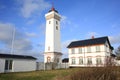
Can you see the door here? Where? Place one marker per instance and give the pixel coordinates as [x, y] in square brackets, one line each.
[8, 65]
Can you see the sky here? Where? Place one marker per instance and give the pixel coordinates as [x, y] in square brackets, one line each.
[80, 20]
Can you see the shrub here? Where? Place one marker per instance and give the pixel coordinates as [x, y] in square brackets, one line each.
[104, 73]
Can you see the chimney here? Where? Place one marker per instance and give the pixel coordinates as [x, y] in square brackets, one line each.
[92, 37]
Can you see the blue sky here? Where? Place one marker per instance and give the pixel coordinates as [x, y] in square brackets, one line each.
[80, 20]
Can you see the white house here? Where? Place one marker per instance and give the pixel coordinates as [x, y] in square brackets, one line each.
[52, 37]
[16, 63]
[90, 52]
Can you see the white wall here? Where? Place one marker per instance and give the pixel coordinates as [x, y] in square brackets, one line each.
[24, 65]
[102, 53]
[19, 65]
[2, 65]
[52, 38]
[53, 56]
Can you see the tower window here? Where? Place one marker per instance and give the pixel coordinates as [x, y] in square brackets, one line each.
[56, 27]
[56, 22]
[49, 22]
[49, 48]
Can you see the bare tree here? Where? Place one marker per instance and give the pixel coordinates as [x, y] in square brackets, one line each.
[117, 51]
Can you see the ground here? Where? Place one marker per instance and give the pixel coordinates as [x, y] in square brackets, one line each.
[47, 75]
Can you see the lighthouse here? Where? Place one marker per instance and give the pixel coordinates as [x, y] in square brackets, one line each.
[52, 37]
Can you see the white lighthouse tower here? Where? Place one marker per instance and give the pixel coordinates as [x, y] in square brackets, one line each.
[52, 38]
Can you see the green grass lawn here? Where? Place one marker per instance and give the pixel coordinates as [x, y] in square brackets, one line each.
[42, 75]
[37, 75]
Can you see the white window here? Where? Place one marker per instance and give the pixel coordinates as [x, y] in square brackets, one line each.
[88, 49]
[8, 64]
[73, 61]
[97, 48]
[80, 60]
[79, 50]
[89, 60]
[72, 50]
[98, 61]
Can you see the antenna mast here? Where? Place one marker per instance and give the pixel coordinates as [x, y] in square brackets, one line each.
[13, 38]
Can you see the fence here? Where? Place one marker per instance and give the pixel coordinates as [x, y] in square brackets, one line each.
[50, 66]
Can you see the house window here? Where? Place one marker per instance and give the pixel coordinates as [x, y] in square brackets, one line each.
[56, 27]
[49, 22]
[73, 61]
[80, 50]
[89, 60]
[72, 51]
[97, 48]
[81, 60]
[98, 61]
[8, 64]
[88, 49]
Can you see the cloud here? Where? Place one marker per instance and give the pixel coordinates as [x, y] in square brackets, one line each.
[115, 39]
[65, 44]
[30, 7]
[28, 34]
[114, 26]
[6, 31]
[30, 22]
[42, 28]
[65, 20]
[21, 41]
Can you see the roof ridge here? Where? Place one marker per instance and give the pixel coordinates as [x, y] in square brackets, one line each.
[87, 42]
[91, 39]
[17, 56]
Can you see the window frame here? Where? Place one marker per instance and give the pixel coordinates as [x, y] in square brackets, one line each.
[80, 50]
[98, 61]
[97, 48]
[89, 60]
[8, 64]
[73, 61]
[72, 51]
[80, 60]
[89, 49]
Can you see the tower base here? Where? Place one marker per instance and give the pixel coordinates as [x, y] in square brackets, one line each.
[55, 57]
